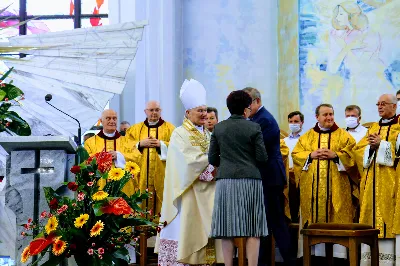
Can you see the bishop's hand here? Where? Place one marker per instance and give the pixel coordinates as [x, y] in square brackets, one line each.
[374, 141]
[113, 154]
[147, 142]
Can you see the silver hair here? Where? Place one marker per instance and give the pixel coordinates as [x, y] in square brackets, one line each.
[254, 93]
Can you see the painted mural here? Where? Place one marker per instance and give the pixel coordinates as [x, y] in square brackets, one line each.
[348, 54]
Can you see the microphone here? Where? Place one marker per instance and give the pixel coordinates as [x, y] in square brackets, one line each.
[48, 98]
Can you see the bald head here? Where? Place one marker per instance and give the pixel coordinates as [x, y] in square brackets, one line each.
[387, 105]
[109, 120]
[153, 111]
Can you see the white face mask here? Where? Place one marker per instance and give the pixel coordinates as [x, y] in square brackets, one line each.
[351, 122]
[294, 128]
[398, 108]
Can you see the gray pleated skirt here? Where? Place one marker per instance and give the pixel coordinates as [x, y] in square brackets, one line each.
[239, 209]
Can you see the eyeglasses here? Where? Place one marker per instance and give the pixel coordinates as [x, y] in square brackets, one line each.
[383, 104]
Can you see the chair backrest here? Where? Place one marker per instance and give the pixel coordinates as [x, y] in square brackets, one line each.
[284, 134]
[368, 124]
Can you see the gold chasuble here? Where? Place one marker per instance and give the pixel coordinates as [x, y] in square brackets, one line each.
[188, 202]
[101, 142]
[285, 157]
[325, 186]
[379, 181]
[152, 164]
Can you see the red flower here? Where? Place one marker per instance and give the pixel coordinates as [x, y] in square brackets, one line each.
[104, 161]
[89, 184]
[165, 223]
[75, 169]
[39, 244]
[53, 204]
[90, 251]
[80, 196]
[117, 206]
[29, 220]
[43, 214]
[7, 124]
[6, 99]
[23, 234]
[72, 185]
[158, 229]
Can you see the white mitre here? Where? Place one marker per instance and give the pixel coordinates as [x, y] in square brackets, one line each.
[192, 94]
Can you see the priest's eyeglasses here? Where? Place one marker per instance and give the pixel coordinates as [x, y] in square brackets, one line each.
[154, 110]
[383, 104]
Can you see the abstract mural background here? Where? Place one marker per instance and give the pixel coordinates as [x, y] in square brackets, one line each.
[348, 54]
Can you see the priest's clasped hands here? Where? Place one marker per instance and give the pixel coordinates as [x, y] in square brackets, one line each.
[374, 140]
[150, 142]
[323, 154]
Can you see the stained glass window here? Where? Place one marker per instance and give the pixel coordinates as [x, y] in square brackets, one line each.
[50, 15]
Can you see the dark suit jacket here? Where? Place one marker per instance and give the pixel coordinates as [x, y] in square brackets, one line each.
[273, 172]
[236, 147]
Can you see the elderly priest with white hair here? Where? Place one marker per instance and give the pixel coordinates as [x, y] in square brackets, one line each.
[188, 188]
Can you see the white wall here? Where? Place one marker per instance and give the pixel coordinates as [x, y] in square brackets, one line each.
[225, 44]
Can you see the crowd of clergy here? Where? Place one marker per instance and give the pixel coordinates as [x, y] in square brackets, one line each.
[344, 175]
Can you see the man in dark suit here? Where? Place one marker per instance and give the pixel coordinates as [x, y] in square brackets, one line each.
[274, 179]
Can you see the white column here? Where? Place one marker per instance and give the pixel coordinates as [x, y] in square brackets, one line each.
[124, 11]
[159, 58]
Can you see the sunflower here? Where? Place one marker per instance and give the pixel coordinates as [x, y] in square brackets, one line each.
[25, 255]
[96, 229]
[59, 247]
[81, 220]
[116, 174]
[100, 195]
[51, 225]
[132, 168]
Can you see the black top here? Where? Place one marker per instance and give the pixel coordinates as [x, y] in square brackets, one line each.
[237, 148]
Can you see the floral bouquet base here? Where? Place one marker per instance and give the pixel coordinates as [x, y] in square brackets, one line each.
[94, 227]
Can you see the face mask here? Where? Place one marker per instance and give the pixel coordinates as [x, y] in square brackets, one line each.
[294, 128]
[351, 122]
[398, 108]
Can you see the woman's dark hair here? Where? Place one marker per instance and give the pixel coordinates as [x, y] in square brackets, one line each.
[237, 101]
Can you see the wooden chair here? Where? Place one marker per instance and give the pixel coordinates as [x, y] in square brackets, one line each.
[240, 243]
[348, 235]
[144, 232]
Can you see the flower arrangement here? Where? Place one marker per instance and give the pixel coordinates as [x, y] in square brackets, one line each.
[95, 225]
[10, 95]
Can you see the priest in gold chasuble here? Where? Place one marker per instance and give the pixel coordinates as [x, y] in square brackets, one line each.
[189, 189]
[322, 157]
[109, 139]
[376, 154]
[151, 138]
[285, 157]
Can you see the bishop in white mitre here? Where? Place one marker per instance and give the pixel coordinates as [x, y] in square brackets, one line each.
[189, 188]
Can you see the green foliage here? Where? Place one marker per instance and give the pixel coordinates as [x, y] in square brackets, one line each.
[11, 95]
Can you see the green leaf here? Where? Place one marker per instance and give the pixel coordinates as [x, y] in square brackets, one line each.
[2, 94]
[122, 254]
[97, 208]
[82, 153]
[18, 125]
[53, 261]
[11, 69]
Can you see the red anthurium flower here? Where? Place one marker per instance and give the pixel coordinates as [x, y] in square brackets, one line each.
[53, 204]
[75, 169]
[39, 244]
[117, 206]
[72, 186]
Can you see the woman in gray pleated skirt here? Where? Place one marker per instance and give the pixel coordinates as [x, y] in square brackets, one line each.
[236, 148]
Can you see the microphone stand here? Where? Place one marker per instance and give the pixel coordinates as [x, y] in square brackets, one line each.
[79, 130]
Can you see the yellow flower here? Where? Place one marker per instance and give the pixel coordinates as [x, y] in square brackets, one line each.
[96, 229]
[116, 174]
[25, 255]
[132, 168]
[81, 220]
[100, 195]
[51, 225]
[59, 247]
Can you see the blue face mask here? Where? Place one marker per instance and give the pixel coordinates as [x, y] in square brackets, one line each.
[294, 128]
